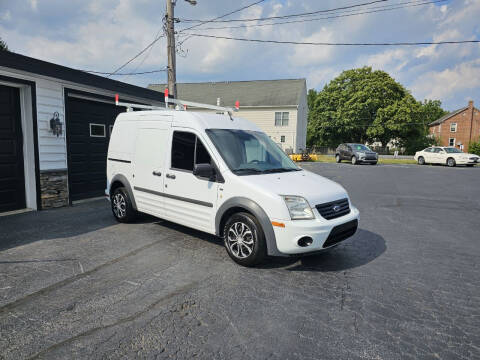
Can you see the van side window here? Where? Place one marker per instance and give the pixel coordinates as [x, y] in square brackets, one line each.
[183, 150]
[201, 154]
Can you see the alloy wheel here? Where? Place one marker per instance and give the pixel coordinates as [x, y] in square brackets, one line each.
[240, 240]
[119, 205]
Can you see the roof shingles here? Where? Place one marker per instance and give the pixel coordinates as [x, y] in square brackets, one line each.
[249, 93]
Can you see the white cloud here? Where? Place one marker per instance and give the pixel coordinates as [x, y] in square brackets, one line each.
[447, 83]
[6, 15]
[34, 4]
[304, 55]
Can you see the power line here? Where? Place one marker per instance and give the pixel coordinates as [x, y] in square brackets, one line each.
[335, 44]
[160, 36]
[119, 74]
[292, 15]
[220, 17]
[136, 56]
[378, 9]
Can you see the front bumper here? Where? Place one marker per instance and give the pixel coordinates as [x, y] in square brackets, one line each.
[317, 229]
[466, 162]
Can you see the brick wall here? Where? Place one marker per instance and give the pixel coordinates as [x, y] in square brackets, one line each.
[466, 128]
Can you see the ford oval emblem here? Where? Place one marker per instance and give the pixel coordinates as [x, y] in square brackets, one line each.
[336, 208]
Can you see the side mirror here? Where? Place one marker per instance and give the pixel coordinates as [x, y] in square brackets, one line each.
[204, 171]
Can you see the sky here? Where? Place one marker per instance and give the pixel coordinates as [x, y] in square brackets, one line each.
[101, 35]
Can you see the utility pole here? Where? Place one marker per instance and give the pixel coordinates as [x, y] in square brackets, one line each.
[171, 50]
[171, 70]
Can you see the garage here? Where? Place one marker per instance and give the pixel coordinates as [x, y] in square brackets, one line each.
[55, 125]
[89, 128]
[12, 179]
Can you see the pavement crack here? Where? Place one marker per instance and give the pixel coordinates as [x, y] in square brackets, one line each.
[10, 306]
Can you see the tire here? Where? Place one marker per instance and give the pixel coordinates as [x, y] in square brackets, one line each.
[122, 207]
[354, 160]
[470, 165]
[421, 160]
[337, 158]
[451, 162]
[244, 227]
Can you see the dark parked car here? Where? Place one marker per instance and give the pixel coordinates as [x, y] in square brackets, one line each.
[356, 153]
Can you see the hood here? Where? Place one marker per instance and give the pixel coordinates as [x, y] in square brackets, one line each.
[314, 188]
[465, 155]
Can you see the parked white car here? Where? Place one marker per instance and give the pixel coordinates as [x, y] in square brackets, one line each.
[223, 176]
[445, 155]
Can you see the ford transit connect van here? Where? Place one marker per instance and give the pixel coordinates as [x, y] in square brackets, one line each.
[224, 176]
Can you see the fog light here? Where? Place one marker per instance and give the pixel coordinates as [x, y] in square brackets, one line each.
[305, 241]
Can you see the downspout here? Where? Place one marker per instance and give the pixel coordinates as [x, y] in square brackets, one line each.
[471, 128]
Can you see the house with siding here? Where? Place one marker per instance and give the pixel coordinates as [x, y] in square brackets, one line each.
[55, 125]
[278, 107]
[458, 128]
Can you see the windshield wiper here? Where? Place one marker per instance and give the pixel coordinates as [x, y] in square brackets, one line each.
[247, 170]
[279, 170]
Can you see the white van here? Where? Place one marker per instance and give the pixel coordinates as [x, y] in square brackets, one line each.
[223, 176]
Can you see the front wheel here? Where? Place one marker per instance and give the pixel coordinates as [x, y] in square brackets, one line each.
[470, 165]
[451, 162]
[122, 207]
[421, 160]
[244, 240]
[354, 160]
[337, 158]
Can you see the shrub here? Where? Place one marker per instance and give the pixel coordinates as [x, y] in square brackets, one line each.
[474, 148]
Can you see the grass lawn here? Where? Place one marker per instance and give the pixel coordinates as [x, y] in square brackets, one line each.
[331, 159]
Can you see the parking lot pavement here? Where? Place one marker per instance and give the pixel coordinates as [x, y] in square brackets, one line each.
[76, 284]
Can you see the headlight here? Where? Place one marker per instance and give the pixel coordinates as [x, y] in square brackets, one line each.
[361, 154]
[298, 207]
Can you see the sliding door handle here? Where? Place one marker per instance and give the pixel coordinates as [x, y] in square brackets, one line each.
[157, 173]
[170, 176]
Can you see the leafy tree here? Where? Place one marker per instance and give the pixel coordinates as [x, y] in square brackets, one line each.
[362, 105]
[3, 45]
[311, 96]
[347, 107]
[474, 148]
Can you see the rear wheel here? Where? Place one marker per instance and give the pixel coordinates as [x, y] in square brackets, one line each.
[122, 207]
[354, 160]
[451, 162]
[421, 160]
[244, 239]
[337, 158]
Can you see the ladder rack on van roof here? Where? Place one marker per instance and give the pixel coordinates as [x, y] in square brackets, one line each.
[181, 105]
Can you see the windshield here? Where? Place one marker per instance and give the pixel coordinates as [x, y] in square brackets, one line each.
[360, 147]
[250, 152]
[452, 150]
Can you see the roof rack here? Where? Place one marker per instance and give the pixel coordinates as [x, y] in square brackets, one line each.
[181, 105]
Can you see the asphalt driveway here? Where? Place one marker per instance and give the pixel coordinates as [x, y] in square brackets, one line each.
[76, 284]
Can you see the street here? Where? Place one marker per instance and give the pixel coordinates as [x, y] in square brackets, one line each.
[74, 283]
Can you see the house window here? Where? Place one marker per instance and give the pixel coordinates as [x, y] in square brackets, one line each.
[453, 127]
[281, 118]
[282, 138]
[97, 130]
[451, 142]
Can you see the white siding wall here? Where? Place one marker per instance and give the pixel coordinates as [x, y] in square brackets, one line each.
[264, 118]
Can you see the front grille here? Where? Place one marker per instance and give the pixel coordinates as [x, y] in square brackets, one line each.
[370, 157]
[328, 212]
[341, 232]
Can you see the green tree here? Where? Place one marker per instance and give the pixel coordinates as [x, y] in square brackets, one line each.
[3, 45]
[311, 96]
[347, 107]
[474, 147]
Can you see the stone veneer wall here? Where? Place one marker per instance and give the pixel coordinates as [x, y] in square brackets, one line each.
[54, 188]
